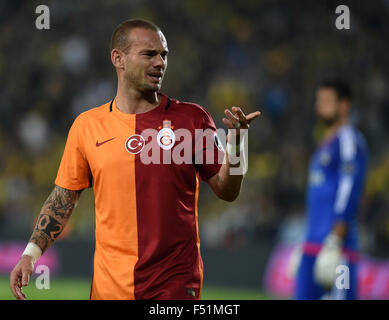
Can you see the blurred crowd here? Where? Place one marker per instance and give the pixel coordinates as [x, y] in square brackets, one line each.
[260, 55]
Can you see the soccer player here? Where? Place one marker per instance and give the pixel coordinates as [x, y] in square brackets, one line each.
[146, 224]
[336, 179]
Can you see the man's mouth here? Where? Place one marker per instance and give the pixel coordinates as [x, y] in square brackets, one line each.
[155, 76]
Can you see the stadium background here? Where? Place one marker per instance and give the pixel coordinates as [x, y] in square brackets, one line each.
[258, 54]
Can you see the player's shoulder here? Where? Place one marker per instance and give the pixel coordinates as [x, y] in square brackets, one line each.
[92, 114]
[351, 134]
[190, 108]
[351, 141]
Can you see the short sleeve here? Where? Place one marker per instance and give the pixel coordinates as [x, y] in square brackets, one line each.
[209, 163]
[74, 172]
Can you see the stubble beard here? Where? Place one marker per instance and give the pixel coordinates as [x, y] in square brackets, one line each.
[329, 121]
[141, 85]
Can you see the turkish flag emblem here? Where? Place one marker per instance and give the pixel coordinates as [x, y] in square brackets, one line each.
[135, 144]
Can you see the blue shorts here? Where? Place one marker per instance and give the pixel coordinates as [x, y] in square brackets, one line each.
[308, 289]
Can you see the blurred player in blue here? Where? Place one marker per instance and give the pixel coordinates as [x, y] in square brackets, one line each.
[327, 261]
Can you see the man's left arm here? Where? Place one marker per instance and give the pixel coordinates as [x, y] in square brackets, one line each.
[227, 182]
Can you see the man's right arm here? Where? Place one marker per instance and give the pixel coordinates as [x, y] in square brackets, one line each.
[52, 219]
[54, 215]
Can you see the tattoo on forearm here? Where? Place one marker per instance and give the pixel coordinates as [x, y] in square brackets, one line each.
[219, 179]
[62, 202]
[41, 239]
[49, 225]
[54, 215]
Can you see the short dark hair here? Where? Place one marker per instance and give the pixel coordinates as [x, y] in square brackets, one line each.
[340, 86]
[120, 36]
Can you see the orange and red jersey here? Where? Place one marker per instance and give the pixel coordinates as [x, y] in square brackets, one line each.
[146, 223]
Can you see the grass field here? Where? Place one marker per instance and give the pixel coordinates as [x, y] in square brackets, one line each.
[78, 289]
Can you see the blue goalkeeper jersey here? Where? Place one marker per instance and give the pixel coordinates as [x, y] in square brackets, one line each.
[336, 179]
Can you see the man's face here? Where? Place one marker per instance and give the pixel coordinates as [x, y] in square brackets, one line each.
[146, 60]
[327, 105]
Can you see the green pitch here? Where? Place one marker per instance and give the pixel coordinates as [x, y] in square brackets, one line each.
[78, 289]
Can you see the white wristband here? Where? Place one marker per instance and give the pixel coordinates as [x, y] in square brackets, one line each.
[33, 251]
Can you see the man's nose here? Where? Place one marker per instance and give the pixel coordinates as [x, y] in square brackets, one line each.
[159, 62]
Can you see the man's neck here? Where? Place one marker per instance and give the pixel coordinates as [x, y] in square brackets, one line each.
[132, 101]
[331, 131]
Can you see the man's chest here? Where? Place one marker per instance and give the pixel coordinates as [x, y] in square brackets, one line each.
[324, 166]
[115, 145]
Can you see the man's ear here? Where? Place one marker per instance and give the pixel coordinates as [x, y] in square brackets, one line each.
[117, 58]
[345, 106]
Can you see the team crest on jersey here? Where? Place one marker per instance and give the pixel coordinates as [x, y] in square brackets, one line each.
[135, 144]
[316, 178]
[324, 158]
[166, 137]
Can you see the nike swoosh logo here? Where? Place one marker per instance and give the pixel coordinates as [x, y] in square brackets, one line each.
[98, 144]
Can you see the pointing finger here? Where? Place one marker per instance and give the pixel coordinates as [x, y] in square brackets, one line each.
[250, 117]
